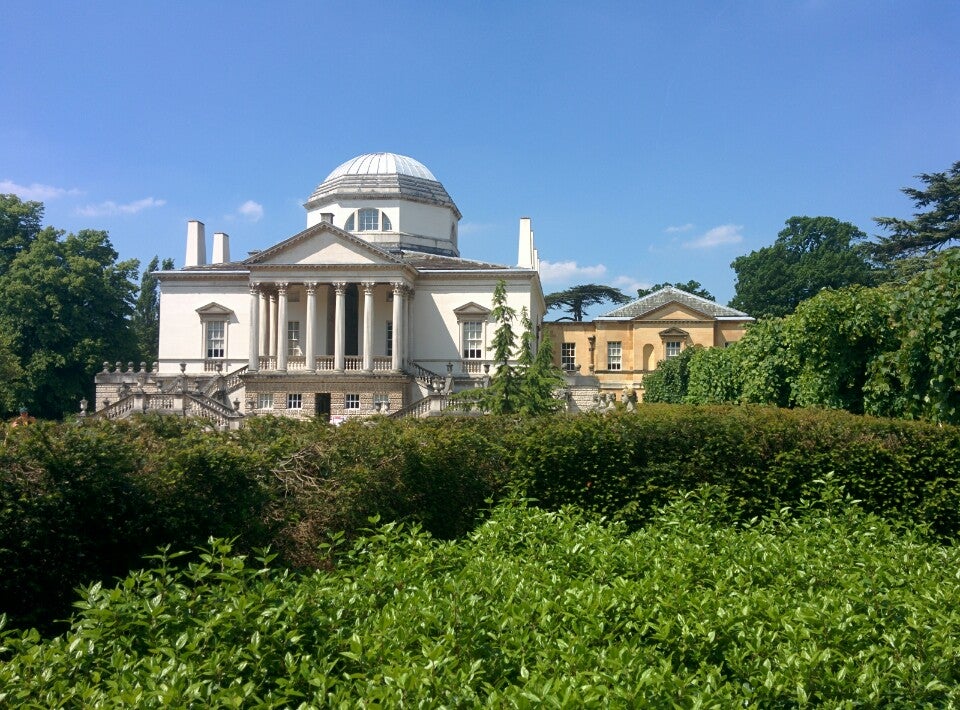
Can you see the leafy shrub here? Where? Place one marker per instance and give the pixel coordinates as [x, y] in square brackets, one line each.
[824, 606]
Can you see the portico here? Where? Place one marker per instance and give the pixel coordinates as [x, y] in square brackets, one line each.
[338, 329]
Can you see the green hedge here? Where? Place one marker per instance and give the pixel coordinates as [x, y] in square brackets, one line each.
[80, 503]
[823, 606]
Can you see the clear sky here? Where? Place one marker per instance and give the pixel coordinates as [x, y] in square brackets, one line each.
[648, 141]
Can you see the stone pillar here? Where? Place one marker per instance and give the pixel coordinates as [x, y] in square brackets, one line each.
[309, 332]
[339, 326]
[368, 326]
[282, 326]
[407, 322]
[398, 327]
[273, 326]
[264, 344]
[254, 362]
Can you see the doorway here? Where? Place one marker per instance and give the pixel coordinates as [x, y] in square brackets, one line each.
[322, 406]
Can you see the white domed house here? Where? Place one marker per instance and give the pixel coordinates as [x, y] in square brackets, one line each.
[370, 309]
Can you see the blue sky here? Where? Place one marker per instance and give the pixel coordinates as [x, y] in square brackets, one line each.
[648, 141]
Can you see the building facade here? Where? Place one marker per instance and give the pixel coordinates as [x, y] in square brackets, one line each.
[369, 309]
[622, 346]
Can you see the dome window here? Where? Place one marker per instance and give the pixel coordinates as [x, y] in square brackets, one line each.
[369, 219]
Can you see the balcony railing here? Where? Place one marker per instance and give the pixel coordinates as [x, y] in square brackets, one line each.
[325, 363]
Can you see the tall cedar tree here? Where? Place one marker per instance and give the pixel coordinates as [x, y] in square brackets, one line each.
[576, 299]
[935, 224]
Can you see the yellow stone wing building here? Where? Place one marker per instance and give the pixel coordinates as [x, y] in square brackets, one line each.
[622, 346]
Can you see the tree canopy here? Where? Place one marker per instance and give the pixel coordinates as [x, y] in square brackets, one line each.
[694, 287]
[576, 299]
[935, 224]
[145, 322]
[65, 304]
[809, 254]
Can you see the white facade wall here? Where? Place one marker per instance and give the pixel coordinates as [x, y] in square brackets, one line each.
[181, 328]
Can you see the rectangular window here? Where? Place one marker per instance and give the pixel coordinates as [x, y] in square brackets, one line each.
[389, 338]
[293, 338]
[381, 402]
[568, 356]
[369, 220]
[265, 400]
[614, 355]
[473, 340]
[216, 338]
[673, 348]
[295, 401]
[351, 401]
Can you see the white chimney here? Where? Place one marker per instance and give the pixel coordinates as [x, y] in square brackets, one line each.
[526, 255]
[196, 244]
[221, 248]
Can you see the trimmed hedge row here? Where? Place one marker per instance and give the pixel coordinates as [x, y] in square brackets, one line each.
[84, 503]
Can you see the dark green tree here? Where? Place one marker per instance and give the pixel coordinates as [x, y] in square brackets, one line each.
[19, 226]
[576, 299]
[65, 304]
[935, 224]
[694, 287]
[540, 379]
[526, 385]
[809, 254]
[145, 322]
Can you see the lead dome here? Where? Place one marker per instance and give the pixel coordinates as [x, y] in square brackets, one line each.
[388, 199]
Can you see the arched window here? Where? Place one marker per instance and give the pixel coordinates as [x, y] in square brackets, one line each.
[368, 219]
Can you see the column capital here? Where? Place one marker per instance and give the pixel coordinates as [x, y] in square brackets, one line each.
[340, 286]
[255, 288]
[282, 287]
[311, 287]
[368, 286]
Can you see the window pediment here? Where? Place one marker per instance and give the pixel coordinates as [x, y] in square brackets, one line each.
[472, 311]
[674, 333]
[214, 310]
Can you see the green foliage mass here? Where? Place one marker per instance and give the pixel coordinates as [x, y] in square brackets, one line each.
[83, 503]
[65, 302]
[809, 254]
[826, 606]
[890, 351]
[669, 382]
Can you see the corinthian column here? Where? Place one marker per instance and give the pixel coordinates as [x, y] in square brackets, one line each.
[368, 326]
[310, 334]
[253, 364]
[398, 328]
[272, 344]
[282, 326]
[339, 326]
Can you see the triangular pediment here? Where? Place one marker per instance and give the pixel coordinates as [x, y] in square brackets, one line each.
[322, 244]
[674, 332]
[214, 309]
[471, 311]
[674, 310]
